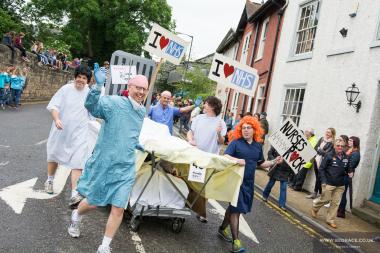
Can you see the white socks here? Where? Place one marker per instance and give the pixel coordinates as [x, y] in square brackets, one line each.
[106, 241]
[74, 193]
[50, 178]
[75, 216]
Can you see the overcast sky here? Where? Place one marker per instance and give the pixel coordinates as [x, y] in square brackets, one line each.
[207, 20]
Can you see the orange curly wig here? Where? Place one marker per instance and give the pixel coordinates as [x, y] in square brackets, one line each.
[258, 132]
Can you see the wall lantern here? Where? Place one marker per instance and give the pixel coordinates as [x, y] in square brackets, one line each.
[352, 94]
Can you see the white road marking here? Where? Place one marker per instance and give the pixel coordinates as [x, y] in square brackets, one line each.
[41, 142]
[4, 163]
[243, 225]
[16, 195]
[137, 242]
[4, 146]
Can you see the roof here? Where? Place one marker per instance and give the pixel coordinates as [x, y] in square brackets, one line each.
[262, 11]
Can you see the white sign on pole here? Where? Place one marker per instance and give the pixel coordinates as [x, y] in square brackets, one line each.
[233, 74]
[120, 74]
[292, 145]
[196, 174]
[166, 44]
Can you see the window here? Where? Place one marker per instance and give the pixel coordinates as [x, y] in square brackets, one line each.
[245, 49]
[293, 104]
[264, 32]
[259, 98]
[307, 27]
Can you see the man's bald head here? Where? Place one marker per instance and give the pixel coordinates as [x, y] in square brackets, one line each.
[165, 98]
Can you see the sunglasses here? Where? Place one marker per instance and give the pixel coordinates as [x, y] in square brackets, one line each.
[340, 146]
[246, 128]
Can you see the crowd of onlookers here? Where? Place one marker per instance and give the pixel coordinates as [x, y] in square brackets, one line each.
[49, 57]
[12, 83]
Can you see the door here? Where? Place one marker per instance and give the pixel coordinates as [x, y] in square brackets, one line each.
[235, 102]
[376, 190]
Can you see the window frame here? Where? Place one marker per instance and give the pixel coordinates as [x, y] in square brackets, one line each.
[245, 49]
[293, 56]
[284, 113]
[263, 38]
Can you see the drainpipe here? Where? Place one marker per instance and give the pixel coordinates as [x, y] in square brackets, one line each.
[280, 15]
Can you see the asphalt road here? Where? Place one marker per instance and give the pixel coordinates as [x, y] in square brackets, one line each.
[42, 225]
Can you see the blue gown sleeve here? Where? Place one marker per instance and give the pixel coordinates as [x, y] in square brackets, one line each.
[231, 149]
[97, 106]
[261, 156]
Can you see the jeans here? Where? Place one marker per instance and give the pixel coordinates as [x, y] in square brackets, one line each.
[343, 201]
[16, 95]
[283, 188]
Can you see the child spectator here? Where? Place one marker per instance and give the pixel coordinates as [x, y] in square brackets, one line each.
[17, 84]
[4, 87]
[18, 44]
[5, 96]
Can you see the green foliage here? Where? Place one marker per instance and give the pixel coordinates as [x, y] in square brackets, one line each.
[96, 28]
[7, 23]
[197, 83]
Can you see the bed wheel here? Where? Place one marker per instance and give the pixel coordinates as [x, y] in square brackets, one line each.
[177, 225]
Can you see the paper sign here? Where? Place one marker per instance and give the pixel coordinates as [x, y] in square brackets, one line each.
[233, 74]
[292, 145]
[120, 74]
[196, 174]
[165, 44]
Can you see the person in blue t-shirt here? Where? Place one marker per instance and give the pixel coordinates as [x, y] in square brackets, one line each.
[164, 113]
[17, 81]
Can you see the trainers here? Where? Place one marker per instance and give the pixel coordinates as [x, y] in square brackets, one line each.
[312, 196]
[104, 249]
[225, 234]
[75, 200]
[237, 247]
[73, 229]
[49, 187]
[202, 219]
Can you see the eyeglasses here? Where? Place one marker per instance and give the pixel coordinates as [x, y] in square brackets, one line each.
[140, 88]
[246, 128]
[340, 146]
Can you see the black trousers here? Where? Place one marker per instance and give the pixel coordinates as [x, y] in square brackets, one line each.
[300, 179]
[318, 184]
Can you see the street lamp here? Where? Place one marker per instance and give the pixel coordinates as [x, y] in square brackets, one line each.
[191, 45]
[352, 94]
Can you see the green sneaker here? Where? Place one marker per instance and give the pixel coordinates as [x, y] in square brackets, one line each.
[237, 247]
[225, 234]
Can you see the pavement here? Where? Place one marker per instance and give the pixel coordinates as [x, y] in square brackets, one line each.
[41, 225]
[349, 227]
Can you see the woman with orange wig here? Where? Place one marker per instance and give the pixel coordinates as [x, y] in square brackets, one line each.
[246, 149]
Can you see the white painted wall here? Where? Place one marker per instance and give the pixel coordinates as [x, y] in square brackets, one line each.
[327, 77]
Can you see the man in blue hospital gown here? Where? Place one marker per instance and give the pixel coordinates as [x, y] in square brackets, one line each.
[109, 173]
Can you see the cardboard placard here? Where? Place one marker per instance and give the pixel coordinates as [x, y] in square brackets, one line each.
[121, 74]
[166, 44]
[196, 174]
[233, 74]
[292, 145]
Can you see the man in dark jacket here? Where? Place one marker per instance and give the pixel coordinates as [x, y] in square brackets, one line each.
[280, 173]
[332, 171]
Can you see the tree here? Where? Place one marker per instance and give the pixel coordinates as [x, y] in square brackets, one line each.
[197, 83]
[99, 27]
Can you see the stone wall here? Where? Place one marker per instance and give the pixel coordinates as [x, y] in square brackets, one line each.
[42, 82]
